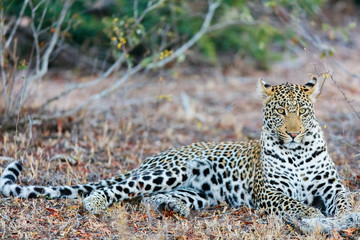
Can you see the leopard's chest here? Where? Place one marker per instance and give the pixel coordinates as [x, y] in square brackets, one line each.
[292, 171]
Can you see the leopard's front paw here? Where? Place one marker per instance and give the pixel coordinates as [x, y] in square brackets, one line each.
[179, 207]
[167, 203]
[314, 213]
[96, 202]
[304, 213]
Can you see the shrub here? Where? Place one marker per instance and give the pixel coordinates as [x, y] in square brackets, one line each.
[256, 32]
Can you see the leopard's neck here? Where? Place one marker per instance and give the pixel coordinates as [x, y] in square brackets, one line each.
[311, 149]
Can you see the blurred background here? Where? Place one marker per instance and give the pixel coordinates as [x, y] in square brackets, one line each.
[83, 41]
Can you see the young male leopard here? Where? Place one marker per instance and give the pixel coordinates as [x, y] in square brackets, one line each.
[287, 172]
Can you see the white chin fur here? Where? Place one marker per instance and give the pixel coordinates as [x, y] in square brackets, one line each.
[291, 145]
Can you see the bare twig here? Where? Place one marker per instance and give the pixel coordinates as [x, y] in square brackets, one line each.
[12, 34]
[9, 25]
[346, 71]
[223, 25]
[344, 95]
[149, 8]
[73, 87]
[136, 12]
[11, 78]
[35, 31]
[53, 41]
[98, 96]
[321, 88]
[349, 145]
[164, 36]
[14, 100]
[45, 58]
[212, 7]
[36, 40]
[42, 61]
[29, 137]
[2, 61]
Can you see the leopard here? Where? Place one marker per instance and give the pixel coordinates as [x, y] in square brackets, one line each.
[287, 172]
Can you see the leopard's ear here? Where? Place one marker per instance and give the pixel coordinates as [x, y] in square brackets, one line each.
[312, 89]
[265, 90]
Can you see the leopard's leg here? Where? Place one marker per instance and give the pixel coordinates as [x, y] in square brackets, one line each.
[274, 201]
[8, 186]
[338, 204]
[180, 201]
[302, 217]
[329, 194]
[338, 201]
[306, 218]
[140, 184]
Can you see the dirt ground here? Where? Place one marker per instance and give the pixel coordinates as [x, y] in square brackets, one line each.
[156, 111]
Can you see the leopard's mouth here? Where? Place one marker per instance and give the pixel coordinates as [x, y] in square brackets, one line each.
[289, 142]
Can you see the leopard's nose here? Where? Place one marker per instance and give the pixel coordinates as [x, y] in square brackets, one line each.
[293, 134]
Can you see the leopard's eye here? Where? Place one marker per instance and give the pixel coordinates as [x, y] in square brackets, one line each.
[302, 110]
[281, 111]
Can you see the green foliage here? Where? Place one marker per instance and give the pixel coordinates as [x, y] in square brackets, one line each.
[170, 25]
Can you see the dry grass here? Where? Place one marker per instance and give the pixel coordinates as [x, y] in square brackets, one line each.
[151, 114]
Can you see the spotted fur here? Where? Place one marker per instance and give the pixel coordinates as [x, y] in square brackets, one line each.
[287, 172]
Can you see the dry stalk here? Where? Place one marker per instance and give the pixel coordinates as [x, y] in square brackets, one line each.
[29, 138]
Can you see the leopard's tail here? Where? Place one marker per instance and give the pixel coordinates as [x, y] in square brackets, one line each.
[8, 186]
[9, 176]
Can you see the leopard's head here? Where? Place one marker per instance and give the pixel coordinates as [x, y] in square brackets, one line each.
[289, 110]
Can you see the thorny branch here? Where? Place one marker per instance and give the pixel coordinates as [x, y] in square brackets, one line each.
[329, 74]
[344, 95]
